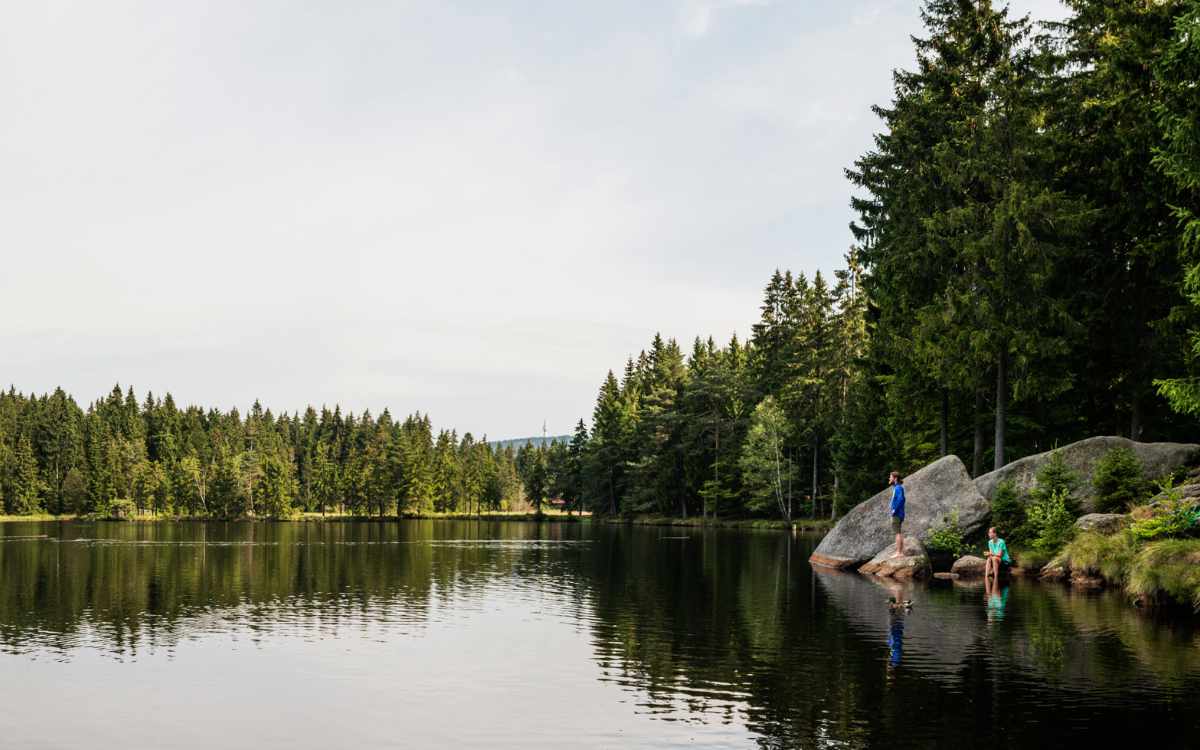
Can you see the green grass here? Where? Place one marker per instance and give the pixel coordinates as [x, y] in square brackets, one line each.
[1029, 558]
[1107, 556]
[1169, 568]
[37, 517]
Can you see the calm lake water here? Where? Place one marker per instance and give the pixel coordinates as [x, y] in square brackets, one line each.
[444, 634]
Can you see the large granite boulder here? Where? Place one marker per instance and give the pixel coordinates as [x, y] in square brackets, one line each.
[968, 566]
[1158, 460]
[933, 493]
[914, 563]
[1102, 523]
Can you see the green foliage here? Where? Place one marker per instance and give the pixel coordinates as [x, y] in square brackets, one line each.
[767, 471]
[1030, 558]
[1008, 513]
[947, 536]
[199, 463]
[118, 509]
[1176, 71]
[1056, 478]
[1106, 555]
[1051, 522]
[1170, 517]
[1171, 568]
[1118, 481]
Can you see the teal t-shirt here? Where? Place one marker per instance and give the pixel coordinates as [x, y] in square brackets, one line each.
[998, 547]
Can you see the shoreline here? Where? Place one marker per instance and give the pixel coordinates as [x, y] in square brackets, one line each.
[768, 524]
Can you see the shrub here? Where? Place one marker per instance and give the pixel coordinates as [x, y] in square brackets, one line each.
[117, 509]
[1051, 522]
[1109, 556]
[1008, 513]
[1028, 557]
[1056, 477]
[947, 536]
[1118, 481]
[1170, 517]
[1169, 567]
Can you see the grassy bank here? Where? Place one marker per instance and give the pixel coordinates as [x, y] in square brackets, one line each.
[1150, 572]
[37, 517]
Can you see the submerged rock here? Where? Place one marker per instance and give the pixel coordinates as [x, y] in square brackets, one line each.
[914, 563]
[1085, 581]
[968, 566]
[1102, 523]
[1054, 572]
[935, 491]
[1158, 460]
[946, 576]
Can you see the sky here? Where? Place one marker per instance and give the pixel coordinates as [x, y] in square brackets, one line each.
[470, 209]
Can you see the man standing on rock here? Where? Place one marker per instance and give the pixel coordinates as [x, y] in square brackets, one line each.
[897, 509]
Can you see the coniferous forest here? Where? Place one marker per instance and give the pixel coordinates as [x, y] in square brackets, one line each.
[1024, 272]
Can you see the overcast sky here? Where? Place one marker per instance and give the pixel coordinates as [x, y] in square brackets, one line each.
[473, 209]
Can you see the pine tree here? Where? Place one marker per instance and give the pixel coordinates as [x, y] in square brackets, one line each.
[25, 486]
[1179, 159]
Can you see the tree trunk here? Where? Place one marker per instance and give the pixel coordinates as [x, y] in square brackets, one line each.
[977, 416]
[1001, 406]
[944, 436]
[833, 500]
[816, 470]
[1135, 419]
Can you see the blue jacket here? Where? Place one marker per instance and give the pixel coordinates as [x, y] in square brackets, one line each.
[898, 501]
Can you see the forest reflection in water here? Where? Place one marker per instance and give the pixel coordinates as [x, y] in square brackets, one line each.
[499, 633]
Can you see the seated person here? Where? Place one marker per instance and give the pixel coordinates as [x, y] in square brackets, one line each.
[997, 555]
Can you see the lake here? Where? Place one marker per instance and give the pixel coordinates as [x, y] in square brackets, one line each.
[505, 634]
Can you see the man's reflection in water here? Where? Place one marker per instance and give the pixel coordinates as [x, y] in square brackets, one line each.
[996, 596]
[895, 639]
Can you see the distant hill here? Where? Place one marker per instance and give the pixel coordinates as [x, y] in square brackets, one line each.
[539, 440]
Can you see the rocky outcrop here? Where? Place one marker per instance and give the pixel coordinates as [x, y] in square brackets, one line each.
[914, 563]
[968, 566]
[1102, 523]
[934, 492]
[1158, 460]
[1189, 492]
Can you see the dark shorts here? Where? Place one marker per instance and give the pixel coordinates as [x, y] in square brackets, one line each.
[896, 523]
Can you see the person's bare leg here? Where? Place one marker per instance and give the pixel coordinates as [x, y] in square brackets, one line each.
[900, 545]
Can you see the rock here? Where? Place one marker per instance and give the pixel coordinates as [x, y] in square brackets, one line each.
[1085, 581]
[968, 566]
[1054, 573]
[1102, 523]
[914, 563]
[1020, 572]
[946, 576]
[1158, 460]
[1189, 492]
[933, 492]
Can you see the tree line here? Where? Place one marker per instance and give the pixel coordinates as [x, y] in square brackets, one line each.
[1025, 272]
[121, 457]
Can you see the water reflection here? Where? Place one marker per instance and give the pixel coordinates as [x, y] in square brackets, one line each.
[586, 635]
[996, 595]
